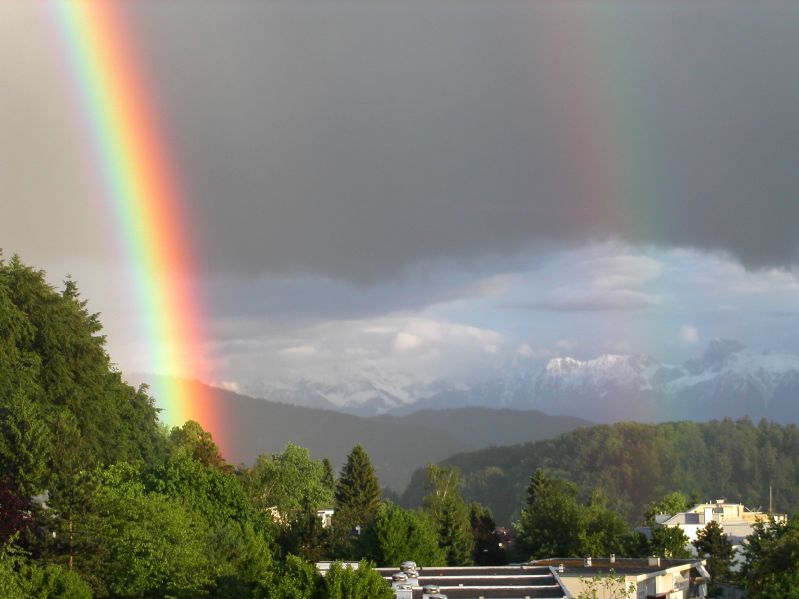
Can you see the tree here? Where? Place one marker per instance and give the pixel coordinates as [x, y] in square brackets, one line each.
[399, 535]
[141, 544]
[450, 513]
[551, 522]
[358, 490]
[217, 495]
[771, 555]
[328, 476]
[293, 579]
[25, 444]
[288, 481]
[671, 504]
[712, 544]
[198, 443]
[604, 530]
[487, 550]
[669, 541]
[363, 582]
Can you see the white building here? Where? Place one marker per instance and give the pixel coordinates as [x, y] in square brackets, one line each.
[651, 578]
[736, 521]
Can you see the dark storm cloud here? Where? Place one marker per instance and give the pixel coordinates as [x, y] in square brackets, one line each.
[357, 139]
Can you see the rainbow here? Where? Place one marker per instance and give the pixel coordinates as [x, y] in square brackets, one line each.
[139, 185]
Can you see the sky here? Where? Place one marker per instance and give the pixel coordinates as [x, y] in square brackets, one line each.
[447, 189]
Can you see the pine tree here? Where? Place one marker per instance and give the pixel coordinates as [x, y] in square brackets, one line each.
[358, 490]
[328, 477]
[712, 544]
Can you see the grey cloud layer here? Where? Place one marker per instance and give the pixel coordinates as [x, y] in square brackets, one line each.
[355, 139]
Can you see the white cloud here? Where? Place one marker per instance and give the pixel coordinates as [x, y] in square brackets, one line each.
[689, 334]
[406, 342]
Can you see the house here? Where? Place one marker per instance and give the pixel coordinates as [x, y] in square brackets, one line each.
[326, 516]
[736, 520]
[475, 582]
[652, 578]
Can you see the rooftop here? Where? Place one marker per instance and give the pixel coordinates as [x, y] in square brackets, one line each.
[490, 582]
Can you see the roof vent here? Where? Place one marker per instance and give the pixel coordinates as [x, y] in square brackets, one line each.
[560, 568]
[587, 562]
[654, 561]
[612, 558]
[406, 566]
[399, 577]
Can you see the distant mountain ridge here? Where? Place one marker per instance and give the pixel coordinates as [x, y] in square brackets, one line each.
[727, 380]
[397, 445]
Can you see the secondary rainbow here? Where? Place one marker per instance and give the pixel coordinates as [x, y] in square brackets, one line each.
[138, 183]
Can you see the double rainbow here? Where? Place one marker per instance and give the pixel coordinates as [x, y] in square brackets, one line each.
[138, 182]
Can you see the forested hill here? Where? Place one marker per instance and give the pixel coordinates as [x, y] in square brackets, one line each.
[398, 445]
[62, 404]
[638, 463]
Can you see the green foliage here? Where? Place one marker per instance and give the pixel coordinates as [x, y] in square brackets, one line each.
[637, 464]
[399, 535]
[216, 494]
[358, 490]
[671, 504]
[133, 543]
[25, 444]
[293, 579]
[53, 361]
[712, 544]
[551, 522]
[771, 560]
[288, 481]
[609, 586]
[343, 582]
[554, 522]
[242, 559]
[487, 551]
[21, 579]
[192, 440]
[604, 532]
[450, 514]
[669, 541]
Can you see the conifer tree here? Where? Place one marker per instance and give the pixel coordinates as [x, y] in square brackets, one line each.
[450, 513]
[712, 544]
[328, 477]
[358, 490]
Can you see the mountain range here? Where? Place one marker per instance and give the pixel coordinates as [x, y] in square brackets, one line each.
[397, 445]
[728, 380]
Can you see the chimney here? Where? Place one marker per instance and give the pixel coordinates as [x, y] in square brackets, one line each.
[560, 568]
[587, 562]
[654, 561]
[403, 591]
[612, 558]
[429, 590]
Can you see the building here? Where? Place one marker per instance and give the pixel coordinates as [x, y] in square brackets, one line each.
[652, 578]
[475, 582]
[735, 519]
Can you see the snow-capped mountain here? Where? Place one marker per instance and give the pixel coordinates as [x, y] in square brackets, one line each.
[727, 380]
[366, 393]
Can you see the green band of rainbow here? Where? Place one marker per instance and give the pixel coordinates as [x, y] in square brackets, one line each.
[139, 184]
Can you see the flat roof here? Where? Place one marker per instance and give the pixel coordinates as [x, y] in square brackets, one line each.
[622, 566]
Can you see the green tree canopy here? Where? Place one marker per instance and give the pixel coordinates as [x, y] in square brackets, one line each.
[399, 535]
[450, 513]
[771, 560]
[358, 490]
[551, 522]
[289, 481]
[713, 545]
